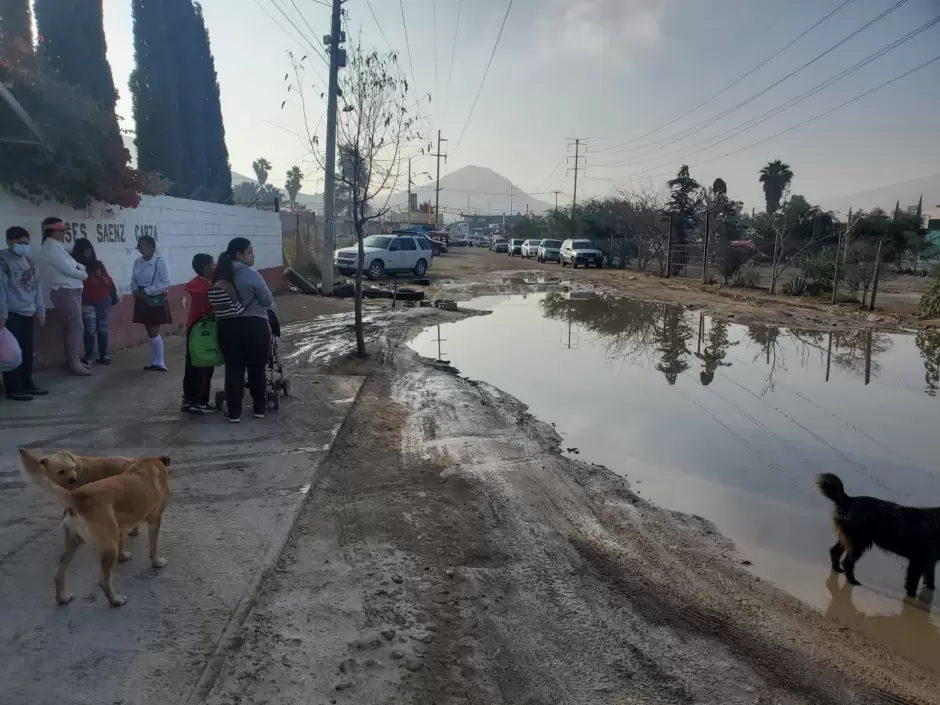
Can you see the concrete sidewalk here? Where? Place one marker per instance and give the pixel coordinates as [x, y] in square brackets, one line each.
[236, 492]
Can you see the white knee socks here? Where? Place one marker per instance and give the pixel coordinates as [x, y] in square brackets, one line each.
[156, 344]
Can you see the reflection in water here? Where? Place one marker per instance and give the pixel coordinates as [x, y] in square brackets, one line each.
[928, 342]
[646, 330]
[911, 633]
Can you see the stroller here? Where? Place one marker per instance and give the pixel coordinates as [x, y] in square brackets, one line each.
[276, 383]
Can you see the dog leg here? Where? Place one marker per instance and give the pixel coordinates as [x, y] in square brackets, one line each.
[72, 544]
[123, 555]
[848, 565]
[835, 555]
[915, 569]
[134, 531]
[108, 560]
[153, 528]
[929, 570]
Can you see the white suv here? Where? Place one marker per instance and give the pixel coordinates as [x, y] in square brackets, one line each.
[530, 248]
[575, 252]
[387, 254]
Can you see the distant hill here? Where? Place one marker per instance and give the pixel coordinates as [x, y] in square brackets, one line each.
[482, 189]
[887, 196]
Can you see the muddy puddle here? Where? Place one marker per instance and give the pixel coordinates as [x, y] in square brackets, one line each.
[732, 423]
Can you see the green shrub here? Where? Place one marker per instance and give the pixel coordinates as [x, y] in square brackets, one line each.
[930, 302]
[794, 286]
[747, 277]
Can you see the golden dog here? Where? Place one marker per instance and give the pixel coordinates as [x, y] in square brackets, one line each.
[98, 513]
[68, 470]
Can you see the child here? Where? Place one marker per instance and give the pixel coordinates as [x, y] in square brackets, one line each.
[20, 302]
[197, 381]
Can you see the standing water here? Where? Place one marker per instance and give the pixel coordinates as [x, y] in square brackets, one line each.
[732, 423]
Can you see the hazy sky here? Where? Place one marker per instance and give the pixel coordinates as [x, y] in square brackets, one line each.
[607, 70]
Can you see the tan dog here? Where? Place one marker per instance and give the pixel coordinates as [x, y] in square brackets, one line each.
[68, 470]
[97, 514]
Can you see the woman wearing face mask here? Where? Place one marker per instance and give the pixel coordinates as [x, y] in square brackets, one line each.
[63, 278]
[150, 283]
[97, 298]
[20, 304]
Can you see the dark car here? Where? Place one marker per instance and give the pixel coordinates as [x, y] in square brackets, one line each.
[515, 247]
[500, 244]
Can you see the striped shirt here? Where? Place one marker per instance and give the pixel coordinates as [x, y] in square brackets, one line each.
[223, 300]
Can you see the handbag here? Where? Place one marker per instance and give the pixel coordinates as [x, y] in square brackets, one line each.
[11, 356]
[155, 300]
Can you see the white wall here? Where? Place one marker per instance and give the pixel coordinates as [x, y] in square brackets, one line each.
[181, 228]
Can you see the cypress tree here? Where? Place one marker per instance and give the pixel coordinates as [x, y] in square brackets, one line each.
[184, 32]
[16, 23]
[153, 87]
[72, 41]
[218, 169]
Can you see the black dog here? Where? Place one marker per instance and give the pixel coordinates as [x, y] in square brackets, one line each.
[861, 522]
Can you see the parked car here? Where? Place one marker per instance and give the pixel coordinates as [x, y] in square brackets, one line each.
[549, 251]
[460, 241]
[530, 248]
[515, 247]
[478, 240]
[387, 254]
[436, 246]
[575, 252]
[500, 244]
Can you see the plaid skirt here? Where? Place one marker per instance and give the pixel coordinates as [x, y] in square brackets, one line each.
[151, 315]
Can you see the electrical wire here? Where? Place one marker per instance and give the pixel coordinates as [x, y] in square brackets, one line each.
[814, 118]
[705, 123]
[732, 84]
[776, 110]
[414, 76]
[485, 73]
[453, 55]
[314, 34]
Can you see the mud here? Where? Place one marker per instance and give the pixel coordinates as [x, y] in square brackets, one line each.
[451, 553]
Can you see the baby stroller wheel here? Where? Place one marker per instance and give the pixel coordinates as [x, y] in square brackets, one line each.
[272, 400]
[285, 387]
[219, 399]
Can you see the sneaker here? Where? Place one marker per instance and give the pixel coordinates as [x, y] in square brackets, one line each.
[233, 419]
[103, 360]
[204, 408]
[37, 392]
[19, 396]
[258, 414]
[185, 407]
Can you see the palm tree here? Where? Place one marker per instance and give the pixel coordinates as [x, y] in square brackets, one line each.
[292, 185]
[775, 177]
[261, 166]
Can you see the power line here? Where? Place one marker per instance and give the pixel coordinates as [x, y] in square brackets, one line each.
[310, 43]
[414, 76]
[815, 117]
[434, 13]
[485, 73]
[453, 54]
[314, 34]
[705, 123]
[732, 84]
[776, 110]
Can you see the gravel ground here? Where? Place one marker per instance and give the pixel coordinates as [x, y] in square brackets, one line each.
[448, 553]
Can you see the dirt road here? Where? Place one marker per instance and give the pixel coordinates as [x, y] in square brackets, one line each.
[467, 272]
[450, 554]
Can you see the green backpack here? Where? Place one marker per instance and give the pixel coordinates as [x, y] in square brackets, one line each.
[204, 344]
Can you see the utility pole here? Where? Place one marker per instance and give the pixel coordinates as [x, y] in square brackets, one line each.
[705, 253]
[409, 190]
[510, 200]
[556, 192]
[437, 189]
[576, 168]
[337, 60]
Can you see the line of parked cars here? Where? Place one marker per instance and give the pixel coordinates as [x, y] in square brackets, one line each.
[574, 253]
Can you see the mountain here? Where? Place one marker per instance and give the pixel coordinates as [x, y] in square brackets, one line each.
[480, 189]
[907, 192]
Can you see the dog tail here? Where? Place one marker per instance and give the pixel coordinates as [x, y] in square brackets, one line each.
[33, 471]
[831, 487]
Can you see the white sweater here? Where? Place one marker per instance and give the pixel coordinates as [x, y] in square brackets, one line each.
[57, 269]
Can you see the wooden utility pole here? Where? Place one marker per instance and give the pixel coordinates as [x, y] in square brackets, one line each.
[877, 275]
[409, 191]
[337, 60]
[437, 188]
[556, 192]
[705, 252]
[576, 168]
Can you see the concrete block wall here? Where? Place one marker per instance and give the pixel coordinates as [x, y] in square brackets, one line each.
[181, 228]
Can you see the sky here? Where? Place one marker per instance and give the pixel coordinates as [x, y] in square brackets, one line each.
[614, 72]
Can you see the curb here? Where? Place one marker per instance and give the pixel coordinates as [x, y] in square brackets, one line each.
[229, 640]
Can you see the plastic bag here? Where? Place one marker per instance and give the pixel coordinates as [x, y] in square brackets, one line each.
[11, 356]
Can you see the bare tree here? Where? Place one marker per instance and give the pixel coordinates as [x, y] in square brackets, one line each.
[373, 126]
[645, 225]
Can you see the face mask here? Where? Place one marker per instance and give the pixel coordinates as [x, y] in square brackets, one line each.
[19, 249]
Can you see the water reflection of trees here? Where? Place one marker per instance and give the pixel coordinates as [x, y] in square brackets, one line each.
[672, 340]
[716, 349]
[928, 342]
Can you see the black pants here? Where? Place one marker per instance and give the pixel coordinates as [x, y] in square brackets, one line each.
[245, 343]
[197, 382]
[21, 379]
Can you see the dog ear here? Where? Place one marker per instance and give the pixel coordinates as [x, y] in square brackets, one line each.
[165, 459]
[27, 457]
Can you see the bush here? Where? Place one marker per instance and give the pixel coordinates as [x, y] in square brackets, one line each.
[747, 277]
[930, 302]
[83, 158]
[794, 286]
[732, 259]
[818, 270]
